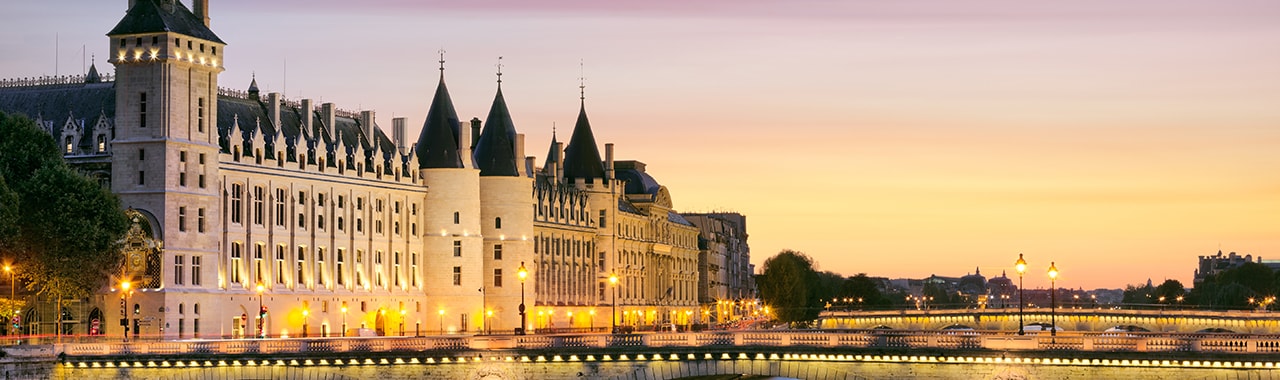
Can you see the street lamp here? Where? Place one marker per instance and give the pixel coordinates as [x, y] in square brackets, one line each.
[441, 321]
[13, 286]
[305, 312]
[402, 311]
[1053, 299]
[262, 313]
[592, 312]
[522, 273]
[1021, 267]
[613, 319]
[344, 319]
[124, 290]
[488, 323]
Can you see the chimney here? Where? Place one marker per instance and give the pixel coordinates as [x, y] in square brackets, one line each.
[464, 146]
[397, 133]
[308, 119]
[273, 106]
[366, 123]
[330, 119]
[559, 159]
[519, 150]
[201, 9]
[553, 174]
[529, 163]
[475, 132]
[608, 163]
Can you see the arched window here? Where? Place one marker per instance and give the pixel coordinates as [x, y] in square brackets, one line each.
[497, 223]
[457, 217]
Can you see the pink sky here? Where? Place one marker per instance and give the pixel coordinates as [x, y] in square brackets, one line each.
[901, 139]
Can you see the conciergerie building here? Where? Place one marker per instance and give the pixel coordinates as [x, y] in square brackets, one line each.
[257, 215]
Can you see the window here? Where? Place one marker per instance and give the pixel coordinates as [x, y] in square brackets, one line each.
[68, 143]
[280, 250]
[200, 115]
[281, 198]
[142, 154]
[195, 273]
[457, 217]
[102, 143]
[200, 220]
[201, 180]
[142, 177]
[236, 263]
[413, 269]
[302, 265]
[395, 270]
[237, 202]
[259, 196]
[457, 276]
[182, 218]
[342, 274]
[497, 223]
[377, 261]
[497, 278]
[182, 179]
[497, 251]
[142, 110]
[342, 201]
[182, 156]
[257, 262]
[601, 260]
[457, 248]
[178, 269]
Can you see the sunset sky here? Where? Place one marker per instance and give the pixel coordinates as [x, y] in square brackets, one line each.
[1119, 139]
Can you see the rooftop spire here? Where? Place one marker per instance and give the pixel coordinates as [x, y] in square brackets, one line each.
[582, 82]
[441, 63]
[495, 151]
[438, 141]
[499, 73]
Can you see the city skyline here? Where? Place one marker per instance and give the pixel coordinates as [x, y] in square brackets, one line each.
[900, 140]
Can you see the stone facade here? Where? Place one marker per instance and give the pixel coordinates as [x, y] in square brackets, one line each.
[259, 215]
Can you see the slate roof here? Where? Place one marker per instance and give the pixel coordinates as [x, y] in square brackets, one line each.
[86, 103]
[678, 219]
[638, 182]
[155, 16]
[495, 153]
[438, 142]
[551, 152]
[581, 156]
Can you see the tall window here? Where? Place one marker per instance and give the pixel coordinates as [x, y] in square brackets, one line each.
[182, 218]
[281, 198]
[200, 115]
[280, 268]
[102, 143]
[302, 265]
[497, 278]
[258, 265]
[237, 202]
[237, 263]
[259, 196]
[321, 279]
[497, 251]
[200, 220]
[195, 270]
[497, 223]
[457, 276]
[457, 248]
[178, 269]
[413, 269]
[359, 269]
[457, 217]
[395, 270]
[142, 110]
[342, 275]
[377, 263]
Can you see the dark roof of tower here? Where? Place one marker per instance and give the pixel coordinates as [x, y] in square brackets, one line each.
[495, 153]
[581, 156]
[253, 86]
[93, 76]
[154, 16]
[86, 104]
[551, 151]
[438, 142]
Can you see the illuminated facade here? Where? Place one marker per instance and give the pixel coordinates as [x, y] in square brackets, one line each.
[258, 215]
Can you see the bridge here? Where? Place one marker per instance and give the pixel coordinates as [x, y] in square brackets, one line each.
[1096, 320]
[802, 354]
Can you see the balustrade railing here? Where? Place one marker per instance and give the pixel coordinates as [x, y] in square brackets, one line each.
[853, 339]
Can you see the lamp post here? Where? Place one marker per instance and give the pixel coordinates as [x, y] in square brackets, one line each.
[305, 312]
[1053, 299]
[488, 323]
[1021, 267]
[124, 290]
[613, 318]
[592, 312]
[522, 273]
[262, 313]
[402, 312]
[13, 298]
[344, 319]
[441, 321]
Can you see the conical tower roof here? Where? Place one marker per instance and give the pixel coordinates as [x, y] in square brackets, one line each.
[551, 150]
[495, 153]
[93, 76]
[438, 142]
[581, 156]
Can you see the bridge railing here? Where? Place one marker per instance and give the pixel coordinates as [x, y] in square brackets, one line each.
[876, 339]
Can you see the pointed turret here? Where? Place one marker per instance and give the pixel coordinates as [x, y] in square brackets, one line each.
[495, 153]
[93, 76]
[438, 142]
[551, 150]
[254, 93]
[582, 157]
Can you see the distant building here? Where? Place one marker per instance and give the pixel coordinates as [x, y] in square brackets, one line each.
[1212, 265]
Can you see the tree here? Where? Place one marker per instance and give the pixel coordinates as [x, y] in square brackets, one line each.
[68, 228]
[865, 290]
[1170, 290]
[788, 284]
[1139, 295]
